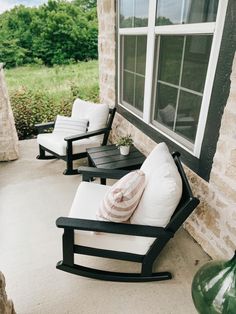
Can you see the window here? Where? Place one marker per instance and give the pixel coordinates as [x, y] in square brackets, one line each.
[168, 51]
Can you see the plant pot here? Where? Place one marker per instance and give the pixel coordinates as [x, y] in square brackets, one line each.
[214, 288]
[124, 150]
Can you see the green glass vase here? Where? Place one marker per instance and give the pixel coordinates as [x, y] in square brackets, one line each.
[214, 287]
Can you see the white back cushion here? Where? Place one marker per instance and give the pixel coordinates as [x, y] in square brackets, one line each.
[69, 126]
[163, 189]
[96, 114]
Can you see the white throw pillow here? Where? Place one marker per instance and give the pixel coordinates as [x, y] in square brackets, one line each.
[69, 126]
[163, 189]
[123, 197]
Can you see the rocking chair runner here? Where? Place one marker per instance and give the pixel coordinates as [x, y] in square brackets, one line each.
[70, 148]
[157, 237]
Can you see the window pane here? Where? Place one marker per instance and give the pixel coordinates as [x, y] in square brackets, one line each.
[181, 73]
[141, 54]
[129, 53]
[169, 12]
[187, 115]
[134, 13]
[171, 48]
[132, 72]
[141, 13]
[166, 99]
[126, 13]
[186, 11]
[196, 57]
[128, 88]
[200, 11]
[139, 92]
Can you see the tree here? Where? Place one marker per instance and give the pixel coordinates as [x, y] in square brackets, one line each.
[56, 33]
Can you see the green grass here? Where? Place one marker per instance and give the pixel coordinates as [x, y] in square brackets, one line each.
[58, 81]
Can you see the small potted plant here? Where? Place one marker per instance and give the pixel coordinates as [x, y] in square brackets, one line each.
[124, 143]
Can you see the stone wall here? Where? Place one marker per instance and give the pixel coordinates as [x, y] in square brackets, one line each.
[8, 137]
[213, 224]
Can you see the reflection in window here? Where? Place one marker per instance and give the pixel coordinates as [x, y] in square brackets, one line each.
[170, 58]
[133, 13]
[133, 64]
[186, 11]
[187, 115]
[182, 68]
[196, 57]
[166, 105]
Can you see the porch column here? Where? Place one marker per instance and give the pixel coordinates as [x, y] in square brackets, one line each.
[106, 50]
[6, 306]
[9, 149]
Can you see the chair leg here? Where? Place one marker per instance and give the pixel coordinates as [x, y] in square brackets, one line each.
[69, 168]
[69, 161]
[41, 153]
[68, 247]
[43, 156]
[148, 261]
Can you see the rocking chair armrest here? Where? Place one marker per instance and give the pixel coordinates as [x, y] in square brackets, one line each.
[86, 135]
[44, 126]
[91, 172]
[113, 227]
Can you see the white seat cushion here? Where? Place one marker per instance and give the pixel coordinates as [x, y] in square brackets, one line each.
[85, 205]
[96, 114]
[57, 144]
[163, 189]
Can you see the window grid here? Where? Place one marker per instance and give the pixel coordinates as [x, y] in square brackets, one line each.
[180, 87]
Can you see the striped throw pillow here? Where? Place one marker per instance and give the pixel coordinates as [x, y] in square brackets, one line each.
[69, 126]
[121, 200]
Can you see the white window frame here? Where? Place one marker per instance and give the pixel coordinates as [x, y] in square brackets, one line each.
[213, 28]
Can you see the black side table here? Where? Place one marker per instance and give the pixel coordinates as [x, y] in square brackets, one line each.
[109, 157]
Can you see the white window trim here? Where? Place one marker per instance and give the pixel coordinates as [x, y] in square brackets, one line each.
[214, 28]
[213, 60]
[185, 29]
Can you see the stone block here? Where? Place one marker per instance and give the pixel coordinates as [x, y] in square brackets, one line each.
[229, 243]
[227, 189]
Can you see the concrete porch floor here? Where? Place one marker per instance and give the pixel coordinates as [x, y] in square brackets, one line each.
[33, 194]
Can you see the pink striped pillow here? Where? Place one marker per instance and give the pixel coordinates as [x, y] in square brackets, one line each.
[121, 200]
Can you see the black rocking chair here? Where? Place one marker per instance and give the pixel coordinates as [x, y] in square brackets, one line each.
[161, 235]
[70, 155]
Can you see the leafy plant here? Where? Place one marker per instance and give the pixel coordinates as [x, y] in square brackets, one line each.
[124, 141]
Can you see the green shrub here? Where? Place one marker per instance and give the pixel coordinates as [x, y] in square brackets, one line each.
[32, 107]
